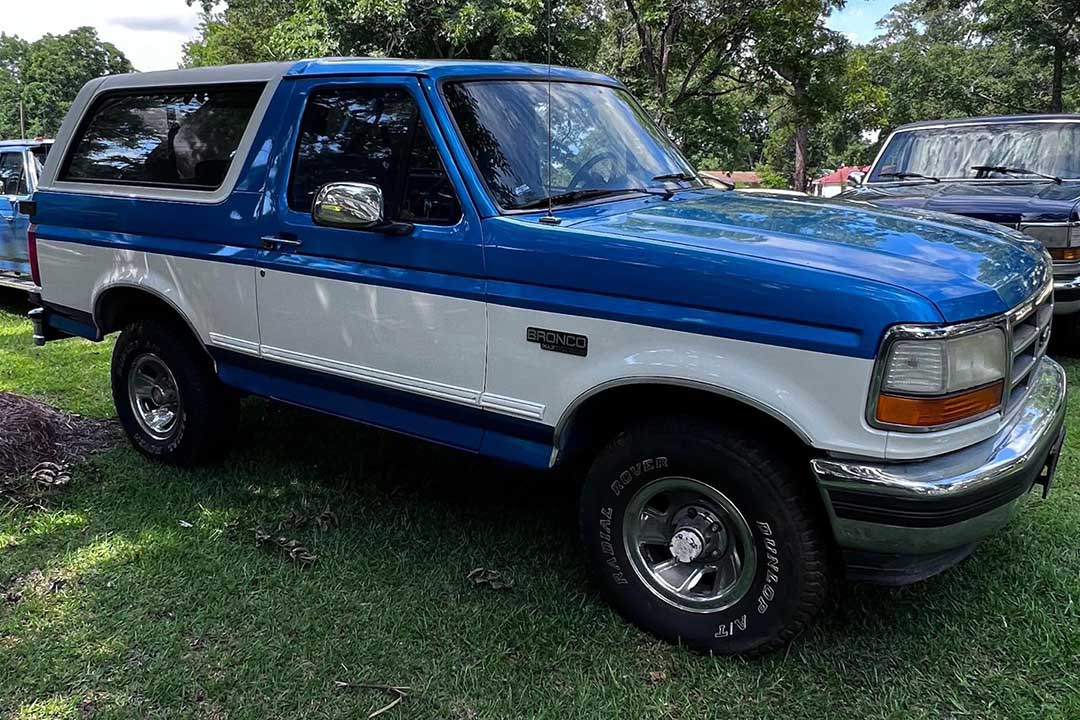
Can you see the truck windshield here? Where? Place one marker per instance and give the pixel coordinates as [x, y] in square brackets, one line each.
[602, 143]
[982, 152]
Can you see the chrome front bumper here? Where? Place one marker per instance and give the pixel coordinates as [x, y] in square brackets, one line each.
[1066, 290]
[914, 516]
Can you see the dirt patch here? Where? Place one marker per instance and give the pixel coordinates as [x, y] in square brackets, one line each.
[39, 443]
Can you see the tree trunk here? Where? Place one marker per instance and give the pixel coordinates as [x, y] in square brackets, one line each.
[802, 134]
[1059, 76]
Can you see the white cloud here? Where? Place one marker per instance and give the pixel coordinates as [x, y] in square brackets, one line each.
[150, 33]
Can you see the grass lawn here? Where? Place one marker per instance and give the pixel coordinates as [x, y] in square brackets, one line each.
[145, 594]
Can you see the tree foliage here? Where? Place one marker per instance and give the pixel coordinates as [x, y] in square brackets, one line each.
[737, 83]
[47, 74]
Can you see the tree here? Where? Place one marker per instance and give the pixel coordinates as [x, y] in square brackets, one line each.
[1044, 27]
[47, 74]
[683, 48]
[799, 61]
[250, 30]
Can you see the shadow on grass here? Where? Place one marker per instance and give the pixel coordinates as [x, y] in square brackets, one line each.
[16, 302]
[166, 605]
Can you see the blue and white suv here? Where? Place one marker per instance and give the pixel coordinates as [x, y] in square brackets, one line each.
[760, 391]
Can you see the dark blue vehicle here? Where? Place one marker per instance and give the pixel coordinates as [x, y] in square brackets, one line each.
[754, 391]
[1021, 171]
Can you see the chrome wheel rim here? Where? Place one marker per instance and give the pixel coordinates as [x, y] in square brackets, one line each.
[154, 397]
[689, 544]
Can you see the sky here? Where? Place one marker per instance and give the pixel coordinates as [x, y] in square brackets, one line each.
[151, 32]
[858, 18]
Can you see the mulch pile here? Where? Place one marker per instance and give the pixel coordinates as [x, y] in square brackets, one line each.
[38, 444]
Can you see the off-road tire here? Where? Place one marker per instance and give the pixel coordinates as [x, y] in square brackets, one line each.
[209, 409]
[773, 492]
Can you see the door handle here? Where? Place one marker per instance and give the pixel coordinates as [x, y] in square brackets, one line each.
[276, 242]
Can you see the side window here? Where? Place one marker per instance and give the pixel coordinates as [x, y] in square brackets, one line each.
[12, 173]
[181, 137]
[372, 135]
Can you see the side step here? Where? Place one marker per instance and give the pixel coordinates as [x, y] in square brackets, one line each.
[18, 282]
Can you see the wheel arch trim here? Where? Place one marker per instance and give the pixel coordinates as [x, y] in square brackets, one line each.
[567, 416]
[105, 290]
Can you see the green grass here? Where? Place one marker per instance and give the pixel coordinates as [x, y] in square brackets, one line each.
[154, 619]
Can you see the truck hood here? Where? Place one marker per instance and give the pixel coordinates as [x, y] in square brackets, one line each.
[1006, 202]
[966, 268]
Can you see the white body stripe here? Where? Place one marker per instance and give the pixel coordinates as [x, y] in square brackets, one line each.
[216, 298]
[471, 353]
[431, 344]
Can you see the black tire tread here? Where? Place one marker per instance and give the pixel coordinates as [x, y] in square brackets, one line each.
[797, 494]
[210, 408]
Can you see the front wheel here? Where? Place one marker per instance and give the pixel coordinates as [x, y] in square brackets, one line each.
[701, 535]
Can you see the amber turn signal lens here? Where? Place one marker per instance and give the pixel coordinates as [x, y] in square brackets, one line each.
[1065, 254]
[934, 411]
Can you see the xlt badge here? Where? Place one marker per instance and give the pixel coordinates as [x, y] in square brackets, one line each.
[558, 341]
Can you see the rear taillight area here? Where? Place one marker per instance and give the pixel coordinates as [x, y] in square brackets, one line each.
[32, 253]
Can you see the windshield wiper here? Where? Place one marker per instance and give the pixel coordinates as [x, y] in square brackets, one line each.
[675, 176]
[908, 175]
[589, 194]
[1005, 170]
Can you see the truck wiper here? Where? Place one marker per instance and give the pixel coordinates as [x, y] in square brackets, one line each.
[675, 176]
[1004, 170]
[589, 194]
[908, 175]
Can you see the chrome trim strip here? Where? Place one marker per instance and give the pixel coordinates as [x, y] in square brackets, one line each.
[441, 391]
[1072, 283]
[248, 347]
[512, 406]
[986, 463]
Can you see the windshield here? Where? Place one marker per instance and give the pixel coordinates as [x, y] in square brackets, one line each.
[603, 143]
[951, 152]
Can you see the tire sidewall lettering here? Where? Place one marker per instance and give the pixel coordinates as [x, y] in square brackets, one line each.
[754, 612]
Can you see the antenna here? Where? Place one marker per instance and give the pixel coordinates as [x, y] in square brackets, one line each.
[549, 219]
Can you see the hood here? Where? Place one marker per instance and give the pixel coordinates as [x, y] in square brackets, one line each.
[1007, 202]
[966, 268]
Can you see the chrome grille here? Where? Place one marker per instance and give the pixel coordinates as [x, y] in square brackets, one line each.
[1029, 326]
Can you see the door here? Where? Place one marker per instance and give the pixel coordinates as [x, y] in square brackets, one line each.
[14, 186]
[384, 321]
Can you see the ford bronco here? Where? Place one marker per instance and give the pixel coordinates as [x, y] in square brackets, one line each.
[761, 392]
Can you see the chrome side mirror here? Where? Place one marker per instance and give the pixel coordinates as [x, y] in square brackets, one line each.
[356, 206]
[854, 179]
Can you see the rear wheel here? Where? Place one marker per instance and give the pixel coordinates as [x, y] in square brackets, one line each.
[701, 535]
[167, 397]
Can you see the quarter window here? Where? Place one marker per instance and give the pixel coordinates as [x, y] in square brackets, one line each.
[12, 174]
[182, 138]
[377, 136]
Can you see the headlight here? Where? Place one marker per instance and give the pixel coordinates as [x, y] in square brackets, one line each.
[931, 382]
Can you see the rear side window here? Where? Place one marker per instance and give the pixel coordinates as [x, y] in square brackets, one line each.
[12, 173]
[373, 135]
[175, 138]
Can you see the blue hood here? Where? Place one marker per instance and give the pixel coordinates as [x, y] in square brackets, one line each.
[966, 268]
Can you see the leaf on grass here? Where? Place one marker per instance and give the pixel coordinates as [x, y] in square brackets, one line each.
[399, 692]
[296, 552]
[656, 677]
[327, 520]
[491, 578]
